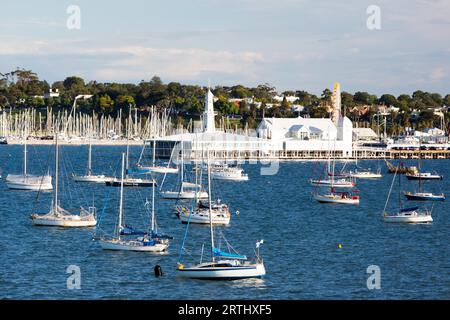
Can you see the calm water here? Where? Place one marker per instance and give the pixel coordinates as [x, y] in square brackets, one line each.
[300, 248]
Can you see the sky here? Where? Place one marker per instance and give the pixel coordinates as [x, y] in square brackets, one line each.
[290, 44]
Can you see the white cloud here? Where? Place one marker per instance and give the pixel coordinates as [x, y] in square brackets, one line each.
[437, 74]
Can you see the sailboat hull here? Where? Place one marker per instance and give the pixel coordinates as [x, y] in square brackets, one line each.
[91, 178]
[73, 221]
[31, 183]
[173, 195]
[330, 198]
[157, 169]
[138, 246]
[131, 183]
[424, 197]
[223, 273]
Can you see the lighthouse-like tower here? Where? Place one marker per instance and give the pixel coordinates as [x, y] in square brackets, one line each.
[208, 114]
[336, 103]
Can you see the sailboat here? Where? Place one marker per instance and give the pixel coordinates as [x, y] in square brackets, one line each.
[187, 190]
[60, 217]
[27, 181]
[201, 212]
[364, 173]
[405, 215]
[89, 177]
[154, 167]
[223, 265]
[148, 242]
[420, 195]
[333, 180]
[129, 181]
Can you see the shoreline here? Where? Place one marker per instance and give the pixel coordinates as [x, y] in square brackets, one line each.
[96, 142]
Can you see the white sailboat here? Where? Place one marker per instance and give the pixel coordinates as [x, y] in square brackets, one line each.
[187, 190]
[420, 194]
[333, 180]
[154, 167]
[89, 177]
[405, 215]
[364, 173]
[59, 217]
[130, 181]
[223, 265]
[145, 243]
[27, 181]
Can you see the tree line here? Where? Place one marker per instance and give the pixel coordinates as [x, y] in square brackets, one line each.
[22, 88]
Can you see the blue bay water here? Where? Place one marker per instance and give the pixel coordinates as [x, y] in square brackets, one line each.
[300, 247]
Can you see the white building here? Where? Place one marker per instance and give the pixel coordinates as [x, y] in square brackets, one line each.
[51, 94]
[221, 144]
[364, 134]
[274, 137]
[310, 134]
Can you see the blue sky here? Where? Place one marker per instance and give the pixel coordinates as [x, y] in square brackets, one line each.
[291, 44]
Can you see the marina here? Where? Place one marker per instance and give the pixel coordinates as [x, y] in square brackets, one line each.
[311, 234]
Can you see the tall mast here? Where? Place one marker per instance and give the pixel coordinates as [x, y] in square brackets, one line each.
[121, 197]
[182, 165]
[210, 210]
[153, 208]
[90, 158]
[55, 201]
[25, 152]
[128, 152]
[154, 150]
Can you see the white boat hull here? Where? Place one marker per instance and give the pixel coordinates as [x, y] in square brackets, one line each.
[75, 222]
[124, 245]
[363, 175]
[220, 176]
[335, 184]
[227, 273]
[335, 199]
[31, 183]
[184, 195]
[217, 218]
[91, 178]
[408, 218]
[158, 169]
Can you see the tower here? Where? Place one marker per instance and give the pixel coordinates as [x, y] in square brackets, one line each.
[336, 103]
[208, 114]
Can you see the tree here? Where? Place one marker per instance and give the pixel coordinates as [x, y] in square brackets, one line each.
[364, 98]
[326, 96]
[388, 100]
[105, 103]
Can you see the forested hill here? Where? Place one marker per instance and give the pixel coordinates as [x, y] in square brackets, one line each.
[23, 89]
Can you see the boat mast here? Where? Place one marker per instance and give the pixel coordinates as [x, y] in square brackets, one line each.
[182, 166]
[153, 208]
[154, 150]
[25, 153]
[121, 197]
[210, 210]
[56, 174]
[90, 158]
